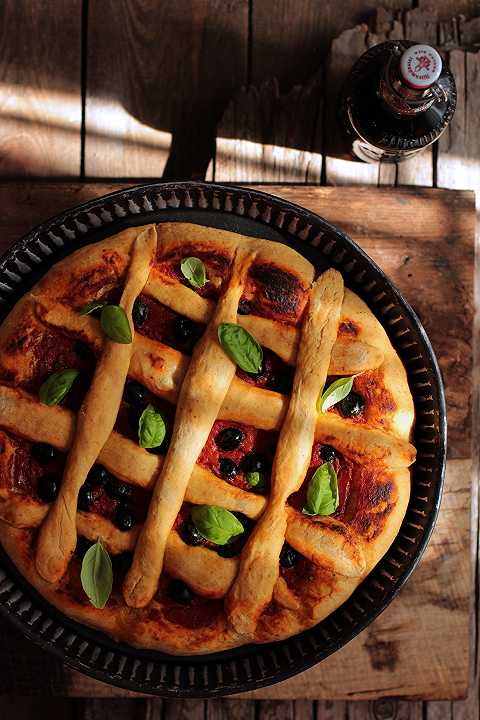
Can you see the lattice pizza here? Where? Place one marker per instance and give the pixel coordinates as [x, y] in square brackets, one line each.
[232, 433]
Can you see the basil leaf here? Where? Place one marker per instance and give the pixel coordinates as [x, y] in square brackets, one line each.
[56, 386]
[241, 347]
[216, 524]
[115, 324]
[335, 392]
[322, 492]
[255, 479]
[194, 271]
[151, 428]
[97, 575]
[90, 307]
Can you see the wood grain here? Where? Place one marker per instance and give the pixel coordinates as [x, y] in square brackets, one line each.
[159, 76]
[40, 94]
[393, 656]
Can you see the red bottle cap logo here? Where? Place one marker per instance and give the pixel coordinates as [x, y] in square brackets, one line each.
[420, 66]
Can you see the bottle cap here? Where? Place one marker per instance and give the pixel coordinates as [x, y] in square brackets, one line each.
[420, 66]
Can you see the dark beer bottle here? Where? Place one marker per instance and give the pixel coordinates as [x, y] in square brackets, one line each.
[397, 100]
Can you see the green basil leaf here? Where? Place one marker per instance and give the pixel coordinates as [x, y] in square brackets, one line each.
[194, 271]
[216, 524]
[335, 392]
[115, 324]
[90, 307]
[322, 492]
[97, 575]
[56, 386]
[241, 347]
[151, 428]
[255, 479]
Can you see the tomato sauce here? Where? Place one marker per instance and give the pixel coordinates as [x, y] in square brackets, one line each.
[216, 265]
[378, 402]
[274, 375]
[164, 325]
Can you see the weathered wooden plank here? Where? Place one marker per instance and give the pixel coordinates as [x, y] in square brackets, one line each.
[22, 708]
[40, 93]
[385, 709]
[151, 106]
[330, 710]
[267, 136]
[230, 710]
[118, 708]
[184, 710]
[438, 710]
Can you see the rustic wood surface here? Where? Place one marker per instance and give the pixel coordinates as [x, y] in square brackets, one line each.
[421, 239]
[133, 89]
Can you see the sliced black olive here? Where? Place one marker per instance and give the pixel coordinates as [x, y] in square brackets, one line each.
[183, 328]
[288, 556]
[328, 453]
[118, 491]
[82, 546]
[190, 534]
[244, 307]
[97, 475]
[229, 438]
[123, 519]
[230, 550]
[139, 312]
[85, 498]
[134, 417]
[352, 405]
[48, 487]
[135, 393]
[121, 562]
[180, 593]
[44, 453]
[228, 469]
[84, 351]
[255, 462]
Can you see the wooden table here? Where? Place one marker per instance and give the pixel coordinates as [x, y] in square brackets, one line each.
[109, 90]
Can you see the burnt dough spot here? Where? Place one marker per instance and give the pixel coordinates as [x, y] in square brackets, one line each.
[277, 292]
[348, 327]
[98, 281]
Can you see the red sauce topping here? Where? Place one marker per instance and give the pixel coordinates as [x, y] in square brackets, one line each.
[255, 441]
[378, 402]
[275, 293]
[303, 571]
[344, 470]
[216, 265]
[168, 327]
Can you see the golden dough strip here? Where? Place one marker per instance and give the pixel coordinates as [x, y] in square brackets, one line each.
[329, 544]
[253, 587]
[95, 420]
[203, 391]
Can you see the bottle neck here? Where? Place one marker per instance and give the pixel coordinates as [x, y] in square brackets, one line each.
[400, 98]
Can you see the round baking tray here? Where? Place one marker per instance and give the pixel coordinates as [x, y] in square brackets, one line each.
[262, 215]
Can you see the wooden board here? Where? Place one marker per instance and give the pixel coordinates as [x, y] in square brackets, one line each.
[419, 647]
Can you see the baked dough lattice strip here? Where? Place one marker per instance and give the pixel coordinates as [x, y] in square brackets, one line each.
[259, 562]
[95, 421]
[201, 396]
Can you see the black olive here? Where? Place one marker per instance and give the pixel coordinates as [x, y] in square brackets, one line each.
[255, 462]
[121, 562]
[97, 475]
[244, 307]
[85, 498]
[44, 453]
[281, 383]
[84, 351]
[139, 312]
[230, 550]
[135, 394]
[118, 490]
[352, 405]
[328, 453]
[180, 593]
[134, 417]
[48, 487]
[123, 519]
[229, 438]
[288, 557]
[183, 328]
[82, 546]
[159, 450]
[228, 469]
[190, 534]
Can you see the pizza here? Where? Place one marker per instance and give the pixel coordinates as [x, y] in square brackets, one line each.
[204, 442]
